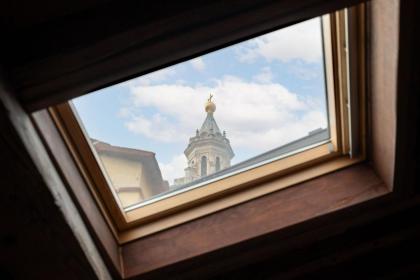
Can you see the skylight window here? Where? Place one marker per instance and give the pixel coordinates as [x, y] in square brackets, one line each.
[216, 115]
[224, 127]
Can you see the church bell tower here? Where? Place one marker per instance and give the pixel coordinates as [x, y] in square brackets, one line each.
[209, 150]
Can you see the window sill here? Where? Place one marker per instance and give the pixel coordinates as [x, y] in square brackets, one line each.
[280, 212]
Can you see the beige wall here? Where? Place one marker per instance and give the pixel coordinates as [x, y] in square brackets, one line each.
[124, 173]
[134, 179]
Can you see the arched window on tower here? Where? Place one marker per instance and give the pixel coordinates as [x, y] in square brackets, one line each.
[203, 166]
[217, 164]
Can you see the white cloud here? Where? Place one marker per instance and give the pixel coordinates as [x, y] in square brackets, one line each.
[304, 73]
[284, 133]
[301, 41]
[173, 169]
[256, 116]
[265, 76]
[198, 63]
[157, 127]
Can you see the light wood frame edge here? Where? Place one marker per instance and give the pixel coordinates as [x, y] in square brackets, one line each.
[85, 160]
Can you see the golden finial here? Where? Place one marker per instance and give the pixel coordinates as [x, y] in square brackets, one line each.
[210, 107]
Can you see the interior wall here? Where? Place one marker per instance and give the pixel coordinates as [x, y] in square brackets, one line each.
[383, 26]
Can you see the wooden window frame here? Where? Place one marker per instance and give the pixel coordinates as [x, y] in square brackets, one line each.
[252, 183]
[284, 222]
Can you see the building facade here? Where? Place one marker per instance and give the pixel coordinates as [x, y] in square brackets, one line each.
[209, 151]
[134, 174]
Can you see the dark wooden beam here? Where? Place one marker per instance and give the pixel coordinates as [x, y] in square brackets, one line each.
[42, 234]
[115, 41]
[407, 165]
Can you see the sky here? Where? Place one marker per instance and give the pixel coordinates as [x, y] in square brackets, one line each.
[268, 91]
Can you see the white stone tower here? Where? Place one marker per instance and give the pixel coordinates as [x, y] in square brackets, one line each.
[208, 151]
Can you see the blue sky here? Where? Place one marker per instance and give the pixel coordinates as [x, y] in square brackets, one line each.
[268, 91]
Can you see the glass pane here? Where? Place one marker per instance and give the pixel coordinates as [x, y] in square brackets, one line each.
[210, 117]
